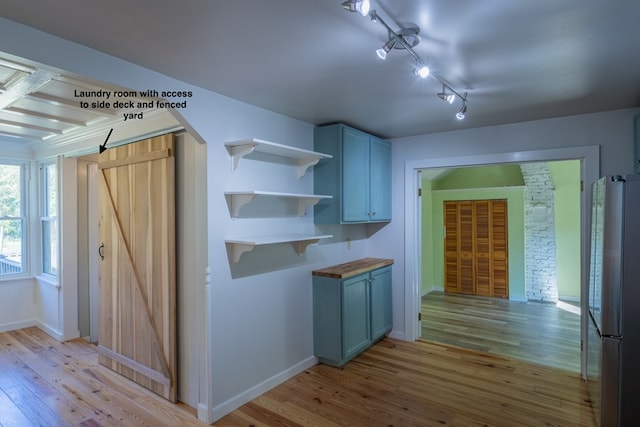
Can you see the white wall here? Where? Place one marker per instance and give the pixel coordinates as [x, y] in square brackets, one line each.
[260, 325]
[17, 308]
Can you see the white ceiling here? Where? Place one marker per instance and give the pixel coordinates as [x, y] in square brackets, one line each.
[518, 60]
[38, 104]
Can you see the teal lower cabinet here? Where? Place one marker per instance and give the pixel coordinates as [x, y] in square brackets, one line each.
[351, 308]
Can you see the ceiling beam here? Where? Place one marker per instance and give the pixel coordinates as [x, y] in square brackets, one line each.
[46, 116]
[25, 86]
[30, 126]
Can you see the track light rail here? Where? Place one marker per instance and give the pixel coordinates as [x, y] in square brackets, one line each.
[363, 7]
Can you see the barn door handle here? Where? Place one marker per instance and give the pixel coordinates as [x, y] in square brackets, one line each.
[101, 251]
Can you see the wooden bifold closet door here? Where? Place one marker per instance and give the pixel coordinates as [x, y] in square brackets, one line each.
[475, 247]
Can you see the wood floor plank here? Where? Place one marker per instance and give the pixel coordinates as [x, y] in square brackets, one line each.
[399, 383]
[10, 414]
[35, 409]
[43, 392]
[394, 383]
[66, 386]
[535, 332]
[86, 394]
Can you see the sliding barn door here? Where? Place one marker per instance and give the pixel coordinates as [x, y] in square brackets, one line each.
[475, 247]
[137, 290]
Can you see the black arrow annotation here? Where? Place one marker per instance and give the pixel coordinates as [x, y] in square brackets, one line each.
[102, 148]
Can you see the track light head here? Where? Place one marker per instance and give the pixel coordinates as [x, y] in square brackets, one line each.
[462, 112]
[422, 71]
[382, 52]
[449, 97]
[361, 6]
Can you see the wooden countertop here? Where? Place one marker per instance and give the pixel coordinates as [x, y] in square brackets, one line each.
[353, 268]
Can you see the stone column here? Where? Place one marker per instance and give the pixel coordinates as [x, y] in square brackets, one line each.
[540, 239]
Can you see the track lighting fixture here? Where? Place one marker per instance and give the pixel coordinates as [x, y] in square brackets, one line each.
[449, 97]
[360, 6]
[422, 71]
[407, 38]
[463, 111]
[382, 52]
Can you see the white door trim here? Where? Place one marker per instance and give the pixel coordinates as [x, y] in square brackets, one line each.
[92, 225]
[590, 171]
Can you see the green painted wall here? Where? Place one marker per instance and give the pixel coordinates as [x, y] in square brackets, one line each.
[470, 183]
[480, 177]
[566, 181]
[433, 234]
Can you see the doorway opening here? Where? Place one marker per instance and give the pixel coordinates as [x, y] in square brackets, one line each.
[588, 158]
[543, 260]
[191, 258]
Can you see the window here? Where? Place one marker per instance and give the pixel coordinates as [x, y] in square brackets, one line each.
[49, 219]
[12, 218]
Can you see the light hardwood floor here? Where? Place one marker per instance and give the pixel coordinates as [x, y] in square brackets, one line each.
[399, 383]
[47, 383]
[395, 383]
[534, 332]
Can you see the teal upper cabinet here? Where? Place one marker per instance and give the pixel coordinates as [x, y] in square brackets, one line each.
[380, 178]
[358, 176]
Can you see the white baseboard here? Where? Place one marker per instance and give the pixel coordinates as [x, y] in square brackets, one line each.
[49, 331]
[73, 336]
[397, 335]
[235, 402]
[204, 414]
[12, 326]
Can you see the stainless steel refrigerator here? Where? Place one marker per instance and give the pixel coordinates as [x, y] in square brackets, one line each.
[613, 365]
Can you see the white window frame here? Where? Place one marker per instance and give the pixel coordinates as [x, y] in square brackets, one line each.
[24, 217]
[49, 265]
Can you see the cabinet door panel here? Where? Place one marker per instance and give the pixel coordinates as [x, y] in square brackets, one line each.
[355, 315]
[380, 302]
[482, 243]
[451, 268]
[355, 176]
[380, 180]
[499, 246]
[465, 249]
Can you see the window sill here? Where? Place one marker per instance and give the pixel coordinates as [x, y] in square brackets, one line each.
[48, 280]
[12, 279]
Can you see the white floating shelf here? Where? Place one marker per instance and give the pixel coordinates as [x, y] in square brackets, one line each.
[303, 158]
[299, 241]
[241, 198]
